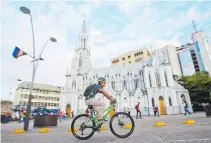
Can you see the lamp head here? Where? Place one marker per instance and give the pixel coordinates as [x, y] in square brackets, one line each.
[25, 10]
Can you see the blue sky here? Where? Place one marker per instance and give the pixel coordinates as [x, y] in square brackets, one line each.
[114, 28]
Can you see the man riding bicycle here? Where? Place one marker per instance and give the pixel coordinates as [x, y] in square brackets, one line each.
[97, 104]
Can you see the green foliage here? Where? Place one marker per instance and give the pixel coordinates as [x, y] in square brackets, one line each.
[199, 82]
[197, 85]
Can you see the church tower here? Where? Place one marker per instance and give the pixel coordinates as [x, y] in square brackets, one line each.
[81, 63]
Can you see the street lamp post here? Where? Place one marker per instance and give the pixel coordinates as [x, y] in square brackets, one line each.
[26, 122]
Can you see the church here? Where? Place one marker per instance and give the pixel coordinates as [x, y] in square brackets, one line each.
[150, 82]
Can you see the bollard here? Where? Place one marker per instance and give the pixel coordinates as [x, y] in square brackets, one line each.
[128, 126]
[18, 131]
[189, 121]
[70, 130]
[159, 124]
[102, 128]
[45, 130]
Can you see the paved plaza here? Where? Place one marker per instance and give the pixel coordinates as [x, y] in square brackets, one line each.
[145, 132]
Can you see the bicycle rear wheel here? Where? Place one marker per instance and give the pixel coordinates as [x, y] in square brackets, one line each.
[81, 127]
[121, 122]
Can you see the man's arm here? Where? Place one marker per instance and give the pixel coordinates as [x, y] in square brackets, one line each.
[105, 94]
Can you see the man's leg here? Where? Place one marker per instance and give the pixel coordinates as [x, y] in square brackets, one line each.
[98, 106]
[140, 114]
[185, 110]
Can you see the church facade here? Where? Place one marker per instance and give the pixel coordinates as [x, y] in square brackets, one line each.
[150, 82]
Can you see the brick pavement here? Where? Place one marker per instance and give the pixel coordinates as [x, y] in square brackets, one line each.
[144, 132]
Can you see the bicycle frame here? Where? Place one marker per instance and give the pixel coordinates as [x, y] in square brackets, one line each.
[106, 112]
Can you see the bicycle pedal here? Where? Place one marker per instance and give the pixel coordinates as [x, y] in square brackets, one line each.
[97, 129]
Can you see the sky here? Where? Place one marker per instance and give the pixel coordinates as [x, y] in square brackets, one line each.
[114, 27]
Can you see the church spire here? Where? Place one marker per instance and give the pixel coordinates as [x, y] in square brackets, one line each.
[83, 28]
[194, 25]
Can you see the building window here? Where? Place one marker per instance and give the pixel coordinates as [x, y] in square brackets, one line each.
[157, 76]
[123, 58]
[136, 81]
[113, 85]
[124, 84]
[73, 85]
[115, 61]
[153, 102]
[80, 63]
[84, 42]
[129, 62]
[166, 79]
[128, 57]
[170, 103]
[150, 82]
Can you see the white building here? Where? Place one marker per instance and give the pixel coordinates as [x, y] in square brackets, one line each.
[203, 47]
[150, 82]
[42, 95]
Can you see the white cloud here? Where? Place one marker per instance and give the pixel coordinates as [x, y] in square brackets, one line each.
[193, 14]
[174, 41]
[16, 30]
[129, 7]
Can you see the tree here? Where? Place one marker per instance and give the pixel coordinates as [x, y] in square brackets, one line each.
[197, 84]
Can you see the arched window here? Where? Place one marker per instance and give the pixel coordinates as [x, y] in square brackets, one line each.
[150, 82]
[157, 76]
[183, 97]
[124, 83]
[136, 82]
[80, 63]
[73, 85]
[153, 102]
[113, 84]
[166, 79]
[84, 43]
[170, 103]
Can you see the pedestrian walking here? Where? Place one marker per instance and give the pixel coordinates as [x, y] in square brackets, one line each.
[186, 108]
[137, 107]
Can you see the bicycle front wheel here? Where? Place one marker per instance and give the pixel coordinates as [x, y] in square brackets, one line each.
[124, 122]
[82, 130]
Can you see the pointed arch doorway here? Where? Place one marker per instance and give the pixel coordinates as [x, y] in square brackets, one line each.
[162, 106]
[68, 110]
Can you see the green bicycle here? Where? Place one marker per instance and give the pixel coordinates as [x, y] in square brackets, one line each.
[91, 122]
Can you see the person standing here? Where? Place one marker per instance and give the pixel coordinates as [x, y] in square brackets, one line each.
[137, 107]
[154, 109]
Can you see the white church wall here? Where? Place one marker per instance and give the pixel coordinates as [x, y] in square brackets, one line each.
[125, 102]
[119, 74]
